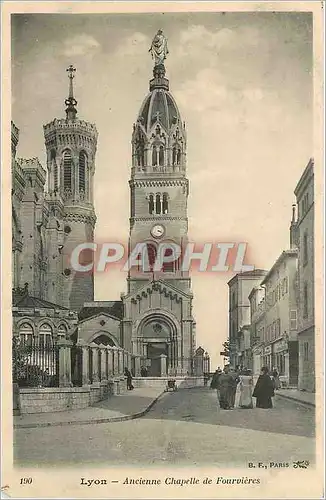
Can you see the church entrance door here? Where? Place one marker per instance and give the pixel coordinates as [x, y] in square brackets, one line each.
[154, 351]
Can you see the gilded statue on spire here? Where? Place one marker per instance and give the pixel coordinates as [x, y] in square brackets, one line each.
[159, 48]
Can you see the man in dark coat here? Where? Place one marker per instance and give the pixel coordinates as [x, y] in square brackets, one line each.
[129, 379]
[224, 388]
[264, 390]
[214, 381]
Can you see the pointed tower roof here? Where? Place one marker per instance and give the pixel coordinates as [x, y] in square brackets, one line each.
[71, 102]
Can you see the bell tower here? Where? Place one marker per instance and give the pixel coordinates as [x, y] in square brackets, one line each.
[158, 325]
[158, 185]
[71, 148]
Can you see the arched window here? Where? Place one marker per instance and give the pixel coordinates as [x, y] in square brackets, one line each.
[140, 152]
[168, 267]
[149, 258]
[174, 155]
[158, 203]
[54, 167]
[45, 336]
[151, 204]
[82, 172]
[26, 334]
[67, 170]
[165, 203]
[42, 265]
[161, 156]
[154, 157]
[62, 330]
[178, 156]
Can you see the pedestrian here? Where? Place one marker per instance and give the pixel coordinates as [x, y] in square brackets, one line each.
[214, 383]
[246, 386]
[224, 387]
[276, 379]
[129, 379]
[233, 387]
[264, 390]
[143, 371]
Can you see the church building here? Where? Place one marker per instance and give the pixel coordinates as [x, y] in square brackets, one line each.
[53, 212]
[158, 324]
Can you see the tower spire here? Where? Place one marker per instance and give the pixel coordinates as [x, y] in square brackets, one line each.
[71, 102]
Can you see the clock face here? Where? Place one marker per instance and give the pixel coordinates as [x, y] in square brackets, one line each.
[157, 231]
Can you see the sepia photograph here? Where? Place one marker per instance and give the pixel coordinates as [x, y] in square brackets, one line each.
[162, 310]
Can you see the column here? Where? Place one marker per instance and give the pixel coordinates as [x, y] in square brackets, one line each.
[94, 348]
[120, 354]
[103, 362]
[110, 361]
[115, 361]
[163, 358]
[64, 363]
[85, 367]
[179, 358]
[137, 366]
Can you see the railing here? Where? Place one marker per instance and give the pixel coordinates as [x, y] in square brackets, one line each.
[38, 366]
[64, 364]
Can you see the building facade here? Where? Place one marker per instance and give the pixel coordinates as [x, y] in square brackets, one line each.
[280, 341]
[257, 327]
[158, 323]
[239, 309]
[53, 212]
[304, 193]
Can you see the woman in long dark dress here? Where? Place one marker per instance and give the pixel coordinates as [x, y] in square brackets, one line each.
[264, 390]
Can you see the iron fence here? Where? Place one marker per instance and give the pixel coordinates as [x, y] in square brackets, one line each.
[38, 366]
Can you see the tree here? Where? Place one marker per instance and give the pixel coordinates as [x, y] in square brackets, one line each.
[20, 356]
[19, 364]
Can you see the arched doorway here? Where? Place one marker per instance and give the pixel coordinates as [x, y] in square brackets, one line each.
[159, 337]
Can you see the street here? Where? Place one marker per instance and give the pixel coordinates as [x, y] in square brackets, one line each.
[182, 428]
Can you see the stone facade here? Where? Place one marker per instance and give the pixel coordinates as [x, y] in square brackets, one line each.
[239, 308]
[304, 193]
[49, 223]
[90, 343]
[157, 309]
[257, 327]
[280, 341]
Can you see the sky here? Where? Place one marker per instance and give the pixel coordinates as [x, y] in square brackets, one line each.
[243, 85]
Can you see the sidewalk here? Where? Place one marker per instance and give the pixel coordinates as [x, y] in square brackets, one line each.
[127, 406]
[307, 398]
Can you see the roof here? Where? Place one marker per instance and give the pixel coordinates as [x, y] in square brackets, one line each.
[159, 106]
[113, 308]
[248, 274]
[29, 301]
[286, 253]
[307, 173]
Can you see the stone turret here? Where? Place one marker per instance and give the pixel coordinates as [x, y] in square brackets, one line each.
[71, 148]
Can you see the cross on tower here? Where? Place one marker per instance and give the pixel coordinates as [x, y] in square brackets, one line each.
[71, 101]
[71, 70]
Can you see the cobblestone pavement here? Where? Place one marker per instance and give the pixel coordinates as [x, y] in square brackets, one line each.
[184, 428]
